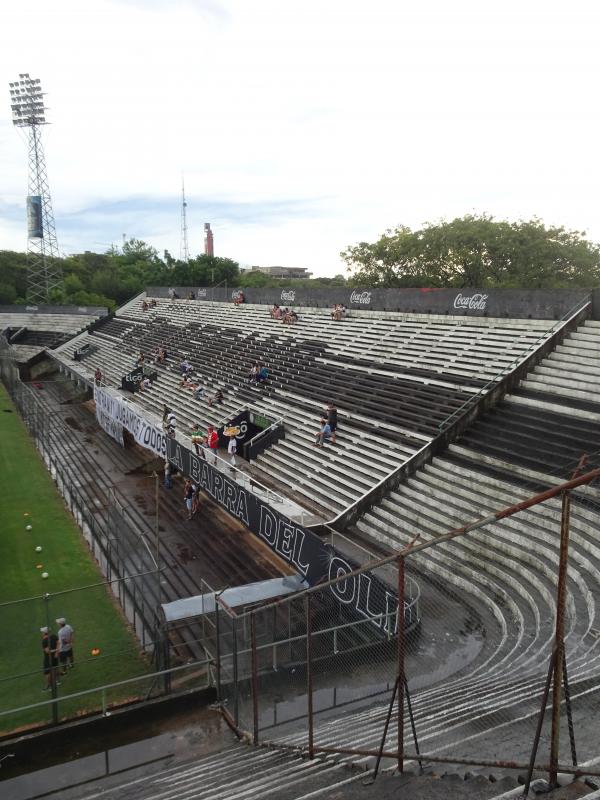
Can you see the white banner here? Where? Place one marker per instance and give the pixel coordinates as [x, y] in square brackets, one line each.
[114, 415]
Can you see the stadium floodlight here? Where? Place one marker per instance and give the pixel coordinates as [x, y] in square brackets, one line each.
[44, 273]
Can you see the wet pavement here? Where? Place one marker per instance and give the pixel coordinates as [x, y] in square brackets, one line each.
[70, 769]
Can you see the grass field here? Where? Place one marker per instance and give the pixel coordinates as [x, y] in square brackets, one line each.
[28, 496]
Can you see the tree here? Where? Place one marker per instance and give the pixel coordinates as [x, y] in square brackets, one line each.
[479, 252]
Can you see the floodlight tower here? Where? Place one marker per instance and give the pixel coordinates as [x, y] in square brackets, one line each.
[184, 252]
[44, 272]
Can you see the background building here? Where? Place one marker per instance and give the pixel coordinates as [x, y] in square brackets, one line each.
[282, 272]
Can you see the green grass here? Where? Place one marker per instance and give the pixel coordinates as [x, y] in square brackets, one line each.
[28, 496]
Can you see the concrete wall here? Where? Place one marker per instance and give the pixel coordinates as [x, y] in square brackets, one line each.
[509, 303]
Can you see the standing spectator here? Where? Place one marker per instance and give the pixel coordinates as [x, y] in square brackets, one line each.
[198, 438]
[172, 294]
[213, 442]
[145, 306]
[323, 434]
[332, 419]
[196, 501]
[98, 376]
[171, 424]
[232, 449]
[188, 496]
[50, 651]
[66, 637]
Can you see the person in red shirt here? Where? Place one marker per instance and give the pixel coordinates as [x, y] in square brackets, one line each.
[213, 442]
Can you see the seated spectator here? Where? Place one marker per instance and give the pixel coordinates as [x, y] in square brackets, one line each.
[336, 312]
[98, 376]
[263, 375]
[145, 306]
[198, 392]
[290, 317]
[187, 381]
[185, 367]
[160, 356]
[140, 360]
[216, 398]
[145, 384]
[191, 296]
[239, 299]
[324, 434]
[332, 419]
[293, 318]
[278, 313]
[253, 377]
[153, 303]
[274, 311]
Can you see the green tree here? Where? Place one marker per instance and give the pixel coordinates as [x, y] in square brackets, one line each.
[476, 251]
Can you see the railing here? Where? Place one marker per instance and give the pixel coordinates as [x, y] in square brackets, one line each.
[448, 431]
[464, 408]
[261, 441]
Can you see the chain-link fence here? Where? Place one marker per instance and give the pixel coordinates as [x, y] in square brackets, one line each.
[493, 620]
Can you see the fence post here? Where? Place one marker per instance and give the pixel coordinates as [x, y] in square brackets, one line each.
[218, 650]
[561, 592]
[309, 684]
[236, 687]
[401, 671]
[254, 677]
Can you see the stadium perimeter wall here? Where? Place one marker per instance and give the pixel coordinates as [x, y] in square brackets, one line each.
[508, 303]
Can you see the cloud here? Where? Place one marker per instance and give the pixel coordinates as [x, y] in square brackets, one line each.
[302, 127]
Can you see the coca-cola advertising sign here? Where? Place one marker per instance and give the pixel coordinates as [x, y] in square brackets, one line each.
[473, 302]
[363, 298]
[288, 296]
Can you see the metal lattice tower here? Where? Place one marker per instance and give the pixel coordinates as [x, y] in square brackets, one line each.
[44, 272]
[184, 251]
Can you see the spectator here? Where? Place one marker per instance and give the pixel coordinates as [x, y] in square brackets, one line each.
[145, 384]
[253, 377]
[189, 490]
[187, 381]
[324, 434]
[185, 367]
[168, 476]
[216, 398]
[171, 424]
[98, 376]
[196, 500]
[232, 449]
[213, 442]
[198, 438]
[263, 375]
[50, 651]
[153, 303]
[140, 360]
[336, 313]
[145, 306]
[275, 311]
[332, 419]
[66, 637]
[161, 355]
[198, 392]
[239, 298]
[191, 296]
[172, 294]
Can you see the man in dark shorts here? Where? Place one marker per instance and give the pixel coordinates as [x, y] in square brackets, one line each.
[66, 635]
[50, 650]
[332, 419]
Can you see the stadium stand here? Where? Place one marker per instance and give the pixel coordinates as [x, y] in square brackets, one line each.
[33, 331]
[395, 377]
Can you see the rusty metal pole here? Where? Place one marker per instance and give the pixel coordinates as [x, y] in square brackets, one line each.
[254, 677]
[309, 685]
[401, 671]
[561, 594]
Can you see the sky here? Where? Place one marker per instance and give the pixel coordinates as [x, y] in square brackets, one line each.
[301, 128]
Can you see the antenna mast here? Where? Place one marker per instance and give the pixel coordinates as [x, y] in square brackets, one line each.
[184, 252]
[44, 272]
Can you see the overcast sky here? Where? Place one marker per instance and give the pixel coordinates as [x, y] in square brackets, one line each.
[302, 127]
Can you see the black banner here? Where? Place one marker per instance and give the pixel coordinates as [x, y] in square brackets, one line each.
[131, 381]
[364, 595]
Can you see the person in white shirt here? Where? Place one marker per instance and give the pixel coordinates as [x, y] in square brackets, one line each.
[232, 449]
[66, 636]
